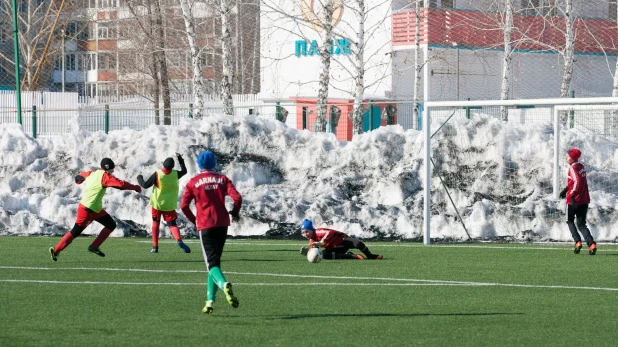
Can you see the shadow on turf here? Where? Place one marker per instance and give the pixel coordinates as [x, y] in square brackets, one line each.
[356, 315]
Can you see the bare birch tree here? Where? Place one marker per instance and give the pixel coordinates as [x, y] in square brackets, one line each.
[162, 62]
[615, 84]
[418, 60]
[569, 48]
[507, 28]
[326, 22]
[358, 59]
[227, 63]
[196, 65]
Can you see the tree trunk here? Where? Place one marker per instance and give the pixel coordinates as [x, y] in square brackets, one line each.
[156, 90]
[418, 64]
[237, 49]
[196, 63]
[569, 49]
[256, 47]
[359, 65]
[226, 47]
[160, 57]
[506, 58]
[615, 89]
[327, 31]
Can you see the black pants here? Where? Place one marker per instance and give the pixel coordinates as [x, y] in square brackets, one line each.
[213, 240]
[580, 212]
[340, 252]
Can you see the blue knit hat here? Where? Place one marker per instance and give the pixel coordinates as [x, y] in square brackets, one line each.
[206, 160]
[307, 225]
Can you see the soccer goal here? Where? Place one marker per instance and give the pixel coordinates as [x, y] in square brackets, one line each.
[493, 169]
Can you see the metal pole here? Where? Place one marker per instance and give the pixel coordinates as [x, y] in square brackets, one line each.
[572, 113]
[63, 59]
[34, 121]
[457, 72]
[370, 115]
[427, 152]
[556, 151]
[17, 63]
[106, 119]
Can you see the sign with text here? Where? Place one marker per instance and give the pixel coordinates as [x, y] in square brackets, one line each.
[305, 48]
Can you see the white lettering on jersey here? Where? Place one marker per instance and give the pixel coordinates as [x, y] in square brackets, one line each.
[210, 179]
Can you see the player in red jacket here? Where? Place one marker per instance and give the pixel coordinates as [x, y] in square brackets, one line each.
[91, 206]
[208, 189]
[335, 243]
[577, 199]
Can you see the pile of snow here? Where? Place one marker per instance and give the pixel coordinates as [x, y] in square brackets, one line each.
[371, 187]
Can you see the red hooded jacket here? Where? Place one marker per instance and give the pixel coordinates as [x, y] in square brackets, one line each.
[577, 184]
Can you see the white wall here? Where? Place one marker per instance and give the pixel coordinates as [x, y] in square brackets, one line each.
[534, 75]
[284, 75]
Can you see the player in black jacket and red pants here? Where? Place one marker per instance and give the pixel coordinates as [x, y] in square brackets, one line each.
[577, 199]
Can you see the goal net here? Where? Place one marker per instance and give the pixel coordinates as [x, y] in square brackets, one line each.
[496, 169]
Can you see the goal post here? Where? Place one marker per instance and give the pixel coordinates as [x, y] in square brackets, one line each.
[447, 119]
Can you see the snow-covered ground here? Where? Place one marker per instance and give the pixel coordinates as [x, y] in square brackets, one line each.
[499, 176]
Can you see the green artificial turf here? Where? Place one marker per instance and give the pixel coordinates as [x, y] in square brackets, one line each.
[438, 295]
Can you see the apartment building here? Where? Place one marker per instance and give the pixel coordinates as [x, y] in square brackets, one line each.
[113, 45]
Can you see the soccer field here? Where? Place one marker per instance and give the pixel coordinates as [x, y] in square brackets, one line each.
[438, 295]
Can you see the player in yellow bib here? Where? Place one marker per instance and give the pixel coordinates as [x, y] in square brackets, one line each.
[90, 207]
[164, 200]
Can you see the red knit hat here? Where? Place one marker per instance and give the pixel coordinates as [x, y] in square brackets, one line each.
[574, 153]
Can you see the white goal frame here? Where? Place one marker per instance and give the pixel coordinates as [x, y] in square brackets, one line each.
[560, 105]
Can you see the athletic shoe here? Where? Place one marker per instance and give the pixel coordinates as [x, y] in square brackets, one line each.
[229, 295]
[304, 250]
[592, 250]
[376, 257]
[155, 250]
[356, 256]
[96, 251]
[208, 308]
[184, 247]
[578, 247]
[54, 255]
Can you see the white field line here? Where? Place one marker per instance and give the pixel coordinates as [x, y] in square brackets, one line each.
[407, 281]
[558, 247]
[455, 284]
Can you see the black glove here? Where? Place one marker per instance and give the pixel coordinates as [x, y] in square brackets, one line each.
[573, 203]
[235, 216]
[563, 193]
[79, 179]
[140, 178]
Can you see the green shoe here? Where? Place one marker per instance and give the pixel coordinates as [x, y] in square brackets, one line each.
[229, 295]
[208, 308]
[54, 255]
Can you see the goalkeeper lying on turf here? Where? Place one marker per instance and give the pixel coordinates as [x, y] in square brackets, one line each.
[335, 243]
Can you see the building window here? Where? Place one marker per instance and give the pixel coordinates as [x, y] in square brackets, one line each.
[107, 61]
[612, 9]
[447, 3]
[107, 3]
[69, 62]
[106, 31]
[207, 59]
